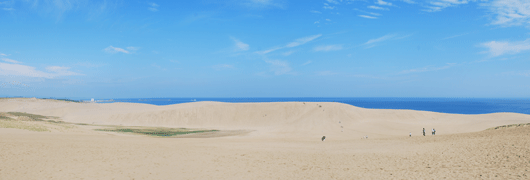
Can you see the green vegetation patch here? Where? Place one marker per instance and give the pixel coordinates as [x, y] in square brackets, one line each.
[162, 132]
[22, 125]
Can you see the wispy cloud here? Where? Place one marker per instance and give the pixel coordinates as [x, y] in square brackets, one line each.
[497, 48]
[378, 8]
[383, 3]
[10, 60]
[327, 6]
[153, 7]
[279, 67]
[455, 36]
[367, 17]
[295, 43]
[438, 5]
[130, 48]
[510, 12]
[8, 9]
[327, 48]
[2, 54]
[317, 12]
[240, 46]
[306, 63]
[303, 40]
[428, 68]
[332, 1]
[409, 1]
[113, 50]
[262, 4]
[29, 71]
[223, 66]
[288, 53]
[380, 39]
[326, 73]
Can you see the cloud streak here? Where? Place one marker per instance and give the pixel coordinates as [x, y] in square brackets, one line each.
[367, 17]
[428, 68]
[29, 71]
[498, 48]
[380, 39]
[153, 7]
[113, 50]
[295, 43]
[240, 46]
[328, 48]
[279, 67]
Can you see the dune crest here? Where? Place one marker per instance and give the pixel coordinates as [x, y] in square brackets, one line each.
[278, 119]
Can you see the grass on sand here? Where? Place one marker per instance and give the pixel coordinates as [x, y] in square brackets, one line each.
[155, 131]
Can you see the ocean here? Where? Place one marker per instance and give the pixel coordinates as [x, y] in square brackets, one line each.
[443, 105]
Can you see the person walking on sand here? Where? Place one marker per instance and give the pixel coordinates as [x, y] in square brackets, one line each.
[423, 131]
[410, 134]
[432, 132]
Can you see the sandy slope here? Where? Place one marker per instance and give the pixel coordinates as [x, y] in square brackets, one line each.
[284, 143]
[283, 120]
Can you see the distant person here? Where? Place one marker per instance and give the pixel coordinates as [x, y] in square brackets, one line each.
[423, 131]
[323, 138]
[433, 131]
[410, 134]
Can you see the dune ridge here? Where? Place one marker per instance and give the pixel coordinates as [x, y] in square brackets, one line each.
[277, 119]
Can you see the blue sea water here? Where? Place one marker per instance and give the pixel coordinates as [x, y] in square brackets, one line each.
[443, 105]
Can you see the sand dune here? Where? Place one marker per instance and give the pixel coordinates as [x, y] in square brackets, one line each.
[285, 120]
[284, 143]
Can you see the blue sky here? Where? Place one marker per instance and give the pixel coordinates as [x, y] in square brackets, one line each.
[265, 48]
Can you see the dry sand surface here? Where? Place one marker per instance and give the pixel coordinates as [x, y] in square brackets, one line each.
[283, 143]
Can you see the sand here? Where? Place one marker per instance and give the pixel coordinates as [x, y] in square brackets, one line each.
[283, 143]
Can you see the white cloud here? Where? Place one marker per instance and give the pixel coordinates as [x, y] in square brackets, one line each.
[428, 68]
[223, 66]
[380, 39]
[288, 53]
[409, 1]
[153, 7]
[113, 50]
[332, 1]
[29, 71]
[368, 17]
[327, 6]
[295, 43]
[378, 8]
[279, 67]
[303, 40]
[8, 9]
[328, 48]
[317, 12]
[10, 60]
[306, 63]
[510, 12]
[262, 4]
[454, 36]
[438, 5]
[240, 46]
[130, 48]
[383, 3]
[326, 73]
[497, 48]
[2, 54]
